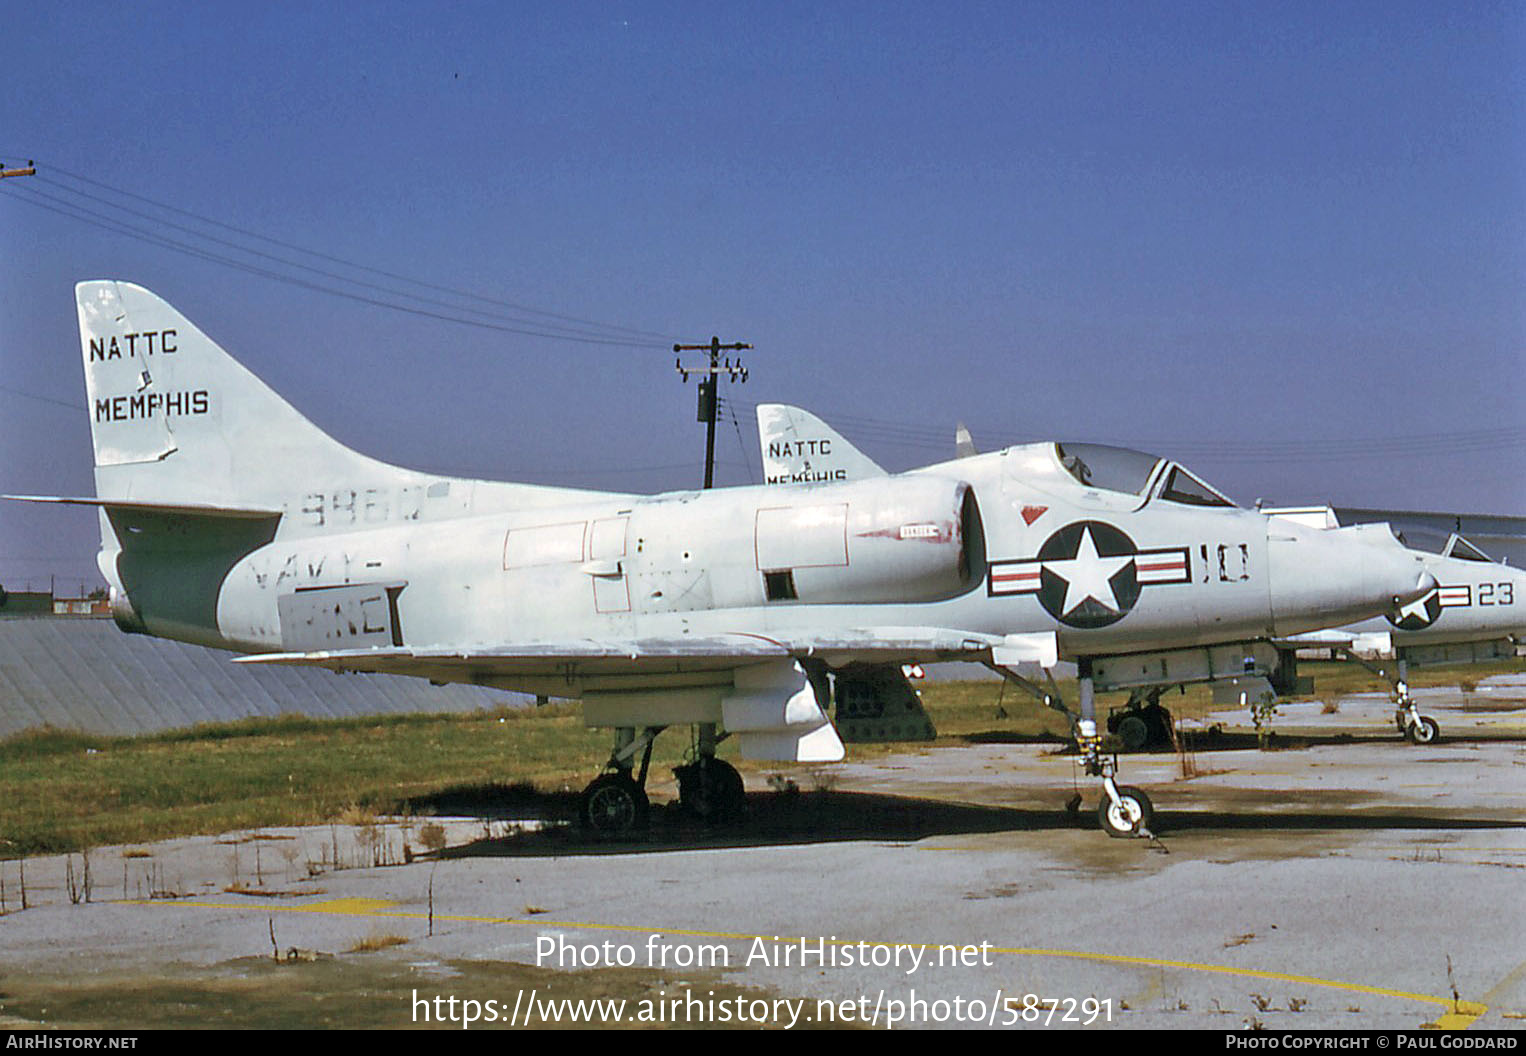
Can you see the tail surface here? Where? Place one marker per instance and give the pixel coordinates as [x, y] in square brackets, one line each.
[198, 463]
[176, 420]
[800, 448]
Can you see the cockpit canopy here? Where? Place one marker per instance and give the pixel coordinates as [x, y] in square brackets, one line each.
[1135, 473]
[1447, 544]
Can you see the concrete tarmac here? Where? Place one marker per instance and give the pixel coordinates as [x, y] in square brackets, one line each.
[1343, 880]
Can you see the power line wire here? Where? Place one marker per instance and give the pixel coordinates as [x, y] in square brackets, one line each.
[632, 331]
[575, 330]
[567, 331]
[90, 217]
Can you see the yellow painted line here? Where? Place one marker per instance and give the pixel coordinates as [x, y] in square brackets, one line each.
[1463, 1016]
[354, 907]
[380, 908]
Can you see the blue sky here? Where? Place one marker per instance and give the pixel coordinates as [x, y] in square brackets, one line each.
[1283, 242]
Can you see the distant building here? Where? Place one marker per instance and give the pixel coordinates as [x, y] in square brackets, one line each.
[81, 607]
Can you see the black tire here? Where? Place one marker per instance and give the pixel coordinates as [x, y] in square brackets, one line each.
[1133, 732]
[1426, 731]
[613, 805]
[711, 790]
[1126, 823]
[1157, 720]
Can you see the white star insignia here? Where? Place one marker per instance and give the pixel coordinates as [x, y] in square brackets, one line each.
[1416, 608]
[1086, 576]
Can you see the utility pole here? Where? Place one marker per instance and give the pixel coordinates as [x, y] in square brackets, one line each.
[30, 169]
[707, 400]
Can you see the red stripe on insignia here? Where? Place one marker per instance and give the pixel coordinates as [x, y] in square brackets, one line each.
[1021, 581]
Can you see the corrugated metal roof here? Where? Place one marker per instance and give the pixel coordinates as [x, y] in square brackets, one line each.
[85, 674]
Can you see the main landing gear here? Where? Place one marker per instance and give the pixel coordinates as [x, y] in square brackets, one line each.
[710, 788]
[1124, 812]
[615, 804]
[1143, 723]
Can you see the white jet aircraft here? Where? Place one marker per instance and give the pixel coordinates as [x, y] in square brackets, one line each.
[1476, 612]
[231, 521]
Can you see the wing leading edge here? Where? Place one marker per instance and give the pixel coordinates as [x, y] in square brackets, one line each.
[653, 663]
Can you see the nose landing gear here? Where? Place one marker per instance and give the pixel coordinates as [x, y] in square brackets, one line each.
[1128, 814]
[1417, 728]
[1124, 811]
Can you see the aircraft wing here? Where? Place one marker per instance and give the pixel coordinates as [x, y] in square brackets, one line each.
[1502, 538]
[654, 662]
[1363, 642]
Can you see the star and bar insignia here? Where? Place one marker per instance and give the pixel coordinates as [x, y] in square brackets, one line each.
[1422, 612]
[1088, 574]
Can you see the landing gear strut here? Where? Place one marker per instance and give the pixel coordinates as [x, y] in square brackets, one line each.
[615, 804]
[1124, 811]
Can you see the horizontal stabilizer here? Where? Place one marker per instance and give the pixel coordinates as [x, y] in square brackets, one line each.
[191, 508]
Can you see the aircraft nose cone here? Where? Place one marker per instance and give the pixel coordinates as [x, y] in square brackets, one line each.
[1328, 577]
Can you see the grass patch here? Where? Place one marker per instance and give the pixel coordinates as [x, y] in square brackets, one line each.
[63, 791]
[372, 943]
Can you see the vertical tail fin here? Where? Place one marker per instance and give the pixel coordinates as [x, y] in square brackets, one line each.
[800, 448]
[175, 419]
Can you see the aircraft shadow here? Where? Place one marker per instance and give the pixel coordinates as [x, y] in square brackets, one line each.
[543, 825]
